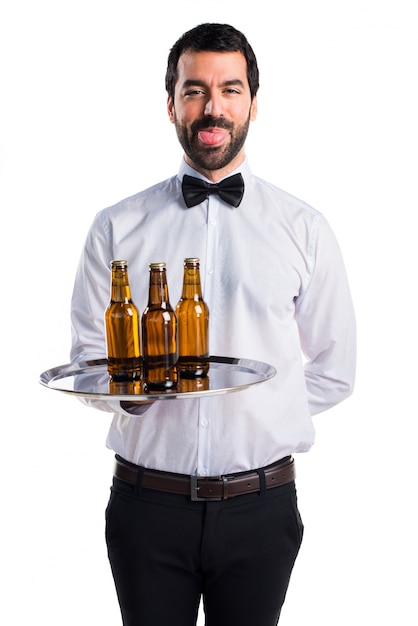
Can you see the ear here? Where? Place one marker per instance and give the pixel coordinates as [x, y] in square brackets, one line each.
[253, 109]
[170, 109]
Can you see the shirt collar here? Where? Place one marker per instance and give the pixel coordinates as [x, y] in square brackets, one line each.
[243, 169]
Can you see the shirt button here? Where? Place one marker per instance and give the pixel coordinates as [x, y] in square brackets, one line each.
[204, 422]
[211, 270]
[212, 222]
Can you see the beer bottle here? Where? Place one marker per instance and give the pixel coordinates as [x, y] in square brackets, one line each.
[159, 334]
[193, 324]
[122, 328]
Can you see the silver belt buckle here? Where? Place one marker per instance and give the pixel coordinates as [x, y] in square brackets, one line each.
[194, 490]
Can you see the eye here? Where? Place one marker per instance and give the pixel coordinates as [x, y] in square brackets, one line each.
[194, 92]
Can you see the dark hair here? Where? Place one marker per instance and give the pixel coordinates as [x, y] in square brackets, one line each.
[215, 38]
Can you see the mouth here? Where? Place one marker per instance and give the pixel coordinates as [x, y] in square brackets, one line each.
[212, 136]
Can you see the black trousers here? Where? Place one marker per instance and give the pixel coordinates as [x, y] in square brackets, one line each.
[166, 552]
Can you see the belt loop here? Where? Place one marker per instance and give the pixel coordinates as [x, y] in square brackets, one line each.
[138, 484]
[262, 477]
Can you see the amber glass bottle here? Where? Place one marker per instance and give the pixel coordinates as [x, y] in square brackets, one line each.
[122, 328]
[193, 324]
[159, 334]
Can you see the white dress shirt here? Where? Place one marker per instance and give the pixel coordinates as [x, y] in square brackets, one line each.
[275, 283]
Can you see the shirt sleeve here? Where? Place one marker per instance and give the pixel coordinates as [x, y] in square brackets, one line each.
[89, 301]
[91, 294]
[326, 321]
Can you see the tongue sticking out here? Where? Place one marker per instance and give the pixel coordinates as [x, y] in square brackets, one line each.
[212, 137]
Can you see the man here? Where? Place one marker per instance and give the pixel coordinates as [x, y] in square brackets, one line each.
[203, 501]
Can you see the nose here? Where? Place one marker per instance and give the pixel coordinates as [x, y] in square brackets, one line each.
[213, 106]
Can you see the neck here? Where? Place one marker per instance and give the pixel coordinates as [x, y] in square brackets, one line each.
[215, 175]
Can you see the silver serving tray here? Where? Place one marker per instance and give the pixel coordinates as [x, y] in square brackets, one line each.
[90, 379]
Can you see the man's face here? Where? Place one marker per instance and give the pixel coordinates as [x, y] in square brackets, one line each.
[212, 110]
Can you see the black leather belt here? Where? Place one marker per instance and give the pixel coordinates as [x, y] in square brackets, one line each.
[211, 488]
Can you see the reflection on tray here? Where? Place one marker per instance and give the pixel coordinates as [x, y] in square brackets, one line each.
[127, 388]
[91, 379]
[188, 385]
[100, 381]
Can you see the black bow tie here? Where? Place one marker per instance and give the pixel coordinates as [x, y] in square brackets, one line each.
[195, 190]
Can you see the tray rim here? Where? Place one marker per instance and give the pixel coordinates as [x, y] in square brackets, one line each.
[264, 372]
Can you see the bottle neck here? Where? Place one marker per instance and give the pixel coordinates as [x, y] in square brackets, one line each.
[121, 291]
[158, 288]
[192, 289]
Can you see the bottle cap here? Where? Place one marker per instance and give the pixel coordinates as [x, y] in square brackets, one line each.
[193, 260]
[157, 266]
[116, 263]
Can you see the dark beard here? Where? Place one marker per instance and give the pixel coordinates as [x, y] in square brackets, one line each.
[214, 158]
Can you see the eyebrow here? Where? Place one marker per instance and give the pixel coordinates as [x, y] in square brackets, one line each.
[200, 83]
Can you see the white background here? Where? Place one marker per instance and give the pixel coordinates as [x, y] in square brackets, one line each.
[83, 125]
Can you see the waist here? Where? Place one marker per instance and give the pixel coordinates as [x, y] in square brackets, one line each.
[210, 488]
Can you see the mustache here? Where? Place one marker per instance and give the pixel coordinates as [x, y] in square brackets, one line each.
[211, 122]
